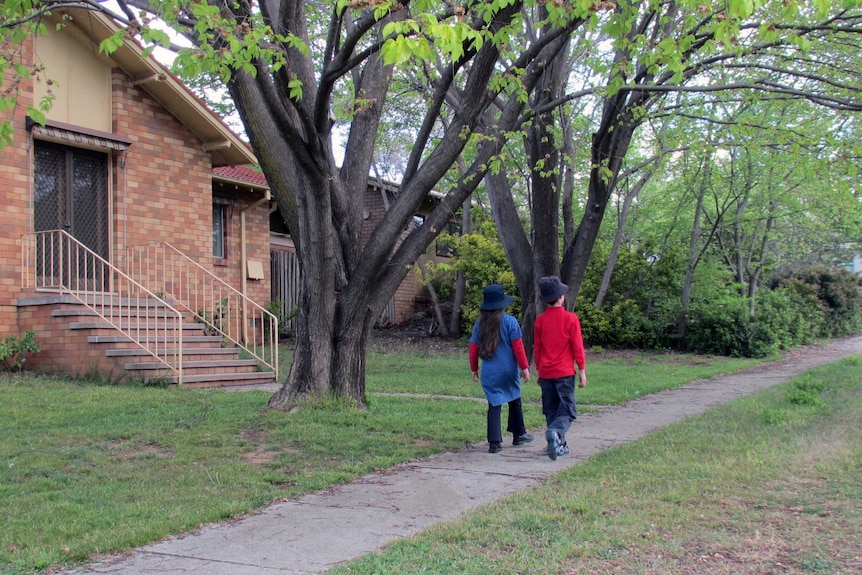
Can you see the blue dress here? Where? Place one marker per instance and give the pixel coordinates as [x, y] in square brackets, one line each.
[500, 375]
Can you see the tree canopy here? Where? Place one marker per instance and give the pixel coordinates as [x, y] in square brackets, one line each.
[479, 77]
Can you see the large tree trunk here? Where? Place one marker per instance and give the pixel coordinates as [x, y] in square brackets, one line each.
[346, 283]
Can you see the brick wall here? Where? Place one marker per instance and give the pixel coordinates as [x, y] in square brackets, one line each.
[257, 247]
[63, 351]
[404, 299]
[14, 201]
[163, 190]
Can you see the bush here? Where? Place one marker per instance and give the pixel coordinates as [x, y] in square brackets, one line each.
[13, 350]
[793, 314]
[838, 293]
[723, 328]
[482, 259]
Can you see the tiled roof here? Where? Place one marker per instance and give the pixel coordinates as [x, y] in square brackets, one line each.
[241, 174]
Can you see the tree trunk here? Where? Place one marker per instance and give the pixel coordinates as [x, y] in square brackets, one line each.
[621, 227]
[435, 302]
[461, 280]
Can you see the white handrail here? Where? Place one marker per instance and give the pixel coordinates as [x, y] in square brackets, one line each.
[55, 260]
[215, 303]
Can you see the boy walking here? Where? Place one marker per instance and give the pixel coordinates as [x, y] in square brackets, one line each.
[558, 348]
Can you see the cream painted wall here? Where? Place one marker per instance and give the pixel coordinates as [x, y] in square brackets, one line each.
[81, 81]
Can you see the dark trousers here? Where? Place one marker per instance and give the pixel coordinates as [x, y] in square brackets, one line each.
[558, 404]
[515, 424]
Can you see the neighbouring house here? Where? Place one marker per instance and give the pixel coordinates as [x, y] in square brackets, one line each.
[136, 241]
[284, 267]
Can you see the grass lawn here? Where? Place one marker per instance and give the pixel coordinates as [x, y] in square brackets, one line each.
[768, 484]
[88, 469]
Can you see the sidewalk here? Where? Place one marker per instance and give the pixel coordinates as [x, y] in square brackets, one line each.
[319, 530]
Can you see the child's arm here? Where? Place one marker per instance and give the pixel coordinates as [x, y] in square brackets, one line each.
[474, 360]
[579, 352]
[521, 358]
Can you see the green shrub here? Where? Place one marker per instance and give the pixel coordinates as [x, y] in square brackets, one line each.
[723, 328]
[793, 314]
[482, 259]
[14, 348]
[276, 308]
[837, 290]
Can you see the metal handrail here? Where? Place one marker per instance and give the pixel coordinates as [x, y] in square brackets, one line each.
[215, 303]
[54, 260]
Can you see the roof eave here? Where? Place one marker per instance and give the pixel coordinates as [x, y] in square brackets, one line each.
[225, 147]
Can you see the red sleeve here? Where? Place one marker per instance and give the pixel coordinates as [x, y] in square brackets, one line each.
[578, 346]
[520, 354]
[474, 357]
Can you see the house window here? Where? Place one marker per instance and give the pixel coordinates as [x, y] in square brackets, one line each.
[219, 231]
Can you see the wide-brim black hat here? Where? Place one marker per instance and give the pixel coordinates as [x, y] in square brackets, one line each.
[551, 288]
[493, 297]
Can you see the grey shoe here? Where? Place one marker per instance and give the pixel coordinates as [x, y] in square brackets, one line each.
[553, 443]
[563, 449]
[522, 439]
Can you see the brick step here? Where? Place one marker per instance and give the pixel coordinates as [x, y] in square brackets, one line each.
[86, 342]
[148, 312]
[193, 351]
[222, 379]
[194, 365]
[187, 339]
[185, 326]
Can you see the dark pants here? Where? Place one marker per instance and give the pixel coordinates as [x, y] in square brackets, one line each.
[558, 404]
[515, 425]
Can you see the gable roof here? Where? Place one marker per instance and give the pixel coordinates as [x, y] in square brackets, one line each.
[241, 175]
[225, 147]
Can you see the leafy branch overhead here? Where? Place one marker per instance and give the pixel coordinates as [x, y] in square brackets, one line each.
[463, 85]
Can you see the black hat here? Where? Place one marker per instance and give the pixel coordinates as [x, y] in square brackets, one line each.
[494, 298]
[552, 288]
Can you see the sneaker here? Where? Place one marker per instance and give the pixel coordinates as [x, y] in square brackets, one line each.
[522, 439]
[553, 442]
[563, 449]
[494, 447]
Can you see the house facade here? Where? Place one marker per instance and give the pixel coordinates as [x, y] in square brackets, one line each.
[134, 191]
[116, 193]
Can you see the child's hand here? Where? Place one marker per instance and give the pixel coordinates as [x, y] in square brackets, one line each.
[525, 374]
[583, 382]
[475, 376]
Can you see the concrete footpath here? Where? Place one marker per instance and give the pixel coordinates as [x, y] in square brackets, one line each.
[320, 530]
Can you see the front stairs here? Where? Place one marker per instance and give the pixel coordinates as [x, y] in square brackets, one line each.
[75, 341]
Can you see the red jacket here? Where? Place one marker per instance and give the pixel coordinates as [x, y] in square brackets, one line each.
[558, 344]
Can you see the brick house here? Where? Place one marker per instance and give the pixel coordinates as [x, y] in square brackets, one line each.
[121, 248]
[135, 241]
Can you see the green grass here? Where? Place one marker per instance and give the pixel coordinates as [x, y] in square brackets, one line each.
[88, 468]
[611, 380]
[732, 491]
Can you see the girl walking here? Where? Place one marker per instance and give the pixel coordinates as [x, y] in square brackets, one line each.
[496, 339]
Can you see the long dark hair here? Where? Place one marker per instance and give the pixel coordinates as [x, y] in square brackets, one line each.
[489, 332]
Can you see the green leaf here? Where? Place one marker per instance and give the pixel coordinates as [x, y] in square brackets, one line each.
[295, 88]
[36, 115]
[113, 43]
